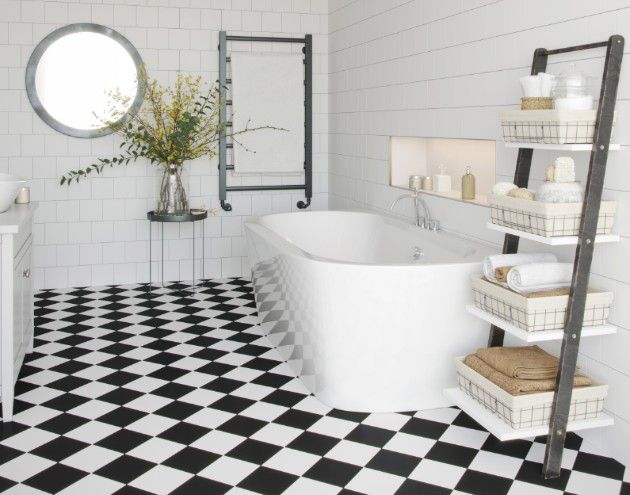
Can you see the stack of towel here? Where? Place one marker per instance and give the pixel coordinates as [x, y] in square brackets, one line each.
[528, 273]
[520, 370]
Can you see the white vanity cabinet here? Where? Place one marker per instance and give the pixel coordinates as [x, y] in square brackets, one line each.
[16, 298]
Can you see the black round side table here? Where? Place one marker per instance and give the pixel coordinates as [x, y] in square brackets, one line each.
[187, 217]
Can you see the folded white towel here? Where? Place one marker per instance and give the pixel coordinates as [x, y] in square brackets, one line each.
[490, 263]
[535, 277]
[268, 89]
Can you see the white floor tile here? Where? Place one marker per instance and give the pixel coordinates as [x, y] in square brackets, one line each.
[277, 434]
[333, 427]
[590, 484]
[306, 486]
[30, 439]
[152, 424]
[522, 488]
[388, 421]
[264, 411]
[148, 403]
[92, 485]
[161, 480]
[292, 461]
[93, 409]
[23, 467]
[91, 458]
[352, 452]
[35, 415]
[437, 473]
[228, 470]
[156, 450]
[202, 397]
[409, 444]
[92, 432]
[466, 437]
[372, 482]
[497, 464]
[253, 391]
[218, 442]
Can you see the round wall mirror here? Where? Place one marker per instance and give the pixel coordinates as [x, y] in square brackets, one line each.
[82, 76]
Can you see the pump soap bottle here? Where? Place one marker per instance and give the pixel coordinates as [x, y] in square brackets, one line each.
[468, 185]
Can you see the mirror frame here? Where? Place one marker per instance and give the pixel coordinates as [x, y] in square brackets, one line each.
[33, 62]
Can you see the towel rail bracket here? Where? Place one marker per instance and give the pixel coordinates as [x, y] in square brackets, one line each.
[224, 81]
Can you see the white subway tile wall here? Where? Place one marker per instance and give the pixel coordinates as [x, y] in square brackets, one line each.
[96, 232]
[445, 68]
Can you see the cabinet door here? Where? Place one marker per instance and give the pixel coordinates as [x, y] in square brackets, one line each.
[18, 313]
[27, 300]
[22, 303]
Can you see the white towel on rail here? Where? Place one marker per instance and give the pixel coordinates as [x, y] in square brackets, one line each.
[268, 89]
[492, 262]
[535, 277]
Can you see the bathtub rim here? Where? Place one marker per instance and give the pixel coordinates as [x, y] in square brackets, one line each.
[284, 245]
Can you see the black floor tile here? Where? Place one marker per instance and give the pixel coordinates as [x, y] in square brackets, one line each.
[332, 472]
[268, 481]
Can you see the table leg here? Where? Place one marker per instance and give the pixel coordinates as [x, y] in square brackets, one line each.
[194, 258]
[150, 254]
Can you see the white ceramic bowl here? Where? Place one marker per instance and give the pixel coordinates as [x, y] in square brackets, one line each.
[9, 186]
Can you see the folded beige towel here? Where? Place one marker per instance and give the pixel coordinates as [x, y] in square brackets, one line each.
[527, 362]
[516, 386]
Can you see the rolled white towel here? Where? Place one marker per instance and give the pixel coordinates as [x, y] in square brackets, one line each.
[535, 277]
[492, 262]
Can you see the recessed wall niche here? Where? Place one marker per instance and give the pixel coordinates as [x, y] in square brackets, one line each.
[424, 156]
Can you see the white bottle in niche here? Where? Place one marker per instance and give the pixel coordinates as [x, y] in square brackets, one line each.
[442, 181]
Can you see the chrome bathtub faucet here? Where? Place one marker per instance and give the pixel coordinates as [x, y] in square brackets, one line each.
[426, 221]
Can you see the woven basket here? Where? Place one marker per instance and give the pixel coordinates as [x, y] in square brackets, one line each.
[529, 410]
[536, 103]
[537, 314]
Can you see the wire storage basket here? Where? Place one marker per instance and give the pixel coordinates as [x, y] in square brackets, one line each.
[537, 314]
[546, 219]
[548, 126]
[528, 410]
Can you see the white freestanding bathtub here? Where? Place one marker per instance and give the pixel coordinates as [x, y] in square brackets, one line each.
[366, 309]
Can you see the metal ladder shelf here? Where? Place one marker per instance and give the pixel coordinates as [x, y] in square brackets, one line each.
[585, 240]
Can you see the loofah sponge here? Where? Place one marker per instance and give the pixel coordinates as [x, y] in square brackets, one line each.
[564, 169]
[522, 193]
[502, 188]
[560, 192]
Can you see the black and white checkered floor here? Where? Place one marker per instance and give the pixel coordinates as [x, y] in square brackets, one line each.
[132, 393]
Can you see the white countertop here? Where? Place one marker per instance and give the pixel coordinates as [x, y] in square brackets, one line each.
[16, 216]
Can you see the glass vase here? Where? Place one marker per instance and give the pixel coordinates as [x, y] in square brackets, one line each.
[172, 199]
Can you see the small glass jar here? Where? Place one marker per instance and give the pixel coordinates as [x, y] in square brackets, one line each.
[427, 183]
[415, 182]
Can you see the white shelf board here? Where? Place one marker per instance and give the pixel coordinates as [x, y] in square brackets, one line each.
[559, 147]
[503, 431]
[542, 336]
[570, 240]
